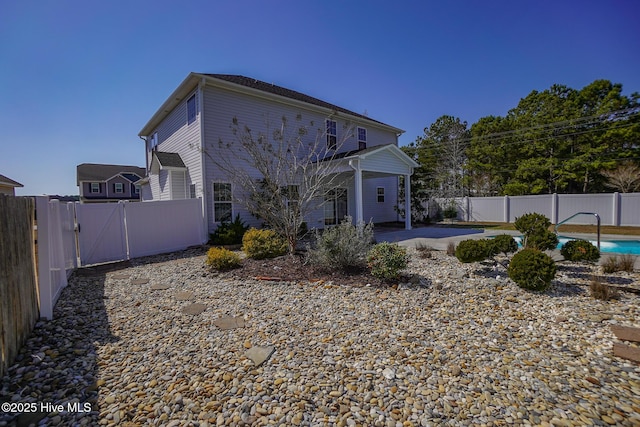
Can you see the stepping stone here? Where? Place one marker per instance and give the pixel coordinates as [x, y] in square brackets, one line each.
[194, 309]
[226, 323]
[260, 354]
[184, 296]
[120, 276]
[159, 287]
[140, 281]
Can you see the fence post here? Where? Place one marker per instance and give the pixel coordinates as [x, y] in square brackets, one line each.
[505, 209]
[44, 257]
[554, 208]
[616, 209]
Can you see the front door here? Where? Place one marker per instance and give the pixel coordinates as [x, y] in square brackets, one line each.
[335, 206]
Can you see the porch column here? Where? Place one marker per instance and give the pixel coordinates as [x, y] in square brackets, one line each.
[407, 202]
[358, 190]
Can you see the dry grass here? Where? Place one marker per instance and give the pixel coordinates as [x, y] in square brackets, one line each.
[451, 249]
[424, 251]
[602, 291]
[616, 263]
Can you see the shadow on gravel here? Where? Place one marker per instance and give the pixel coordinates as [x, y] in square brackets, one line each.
[54, 375]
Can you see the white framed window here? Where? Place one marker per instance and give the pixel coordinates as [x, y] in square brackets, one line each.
[191, 109]
[362, 138]
[380, 194]
[222, 202]
[136, 189]
[95, 187]
[118, 188]
[153, 143]
[332, 134]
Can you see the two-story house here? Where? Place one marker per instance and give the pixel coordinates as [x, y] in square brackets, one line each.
[100, 183]
[182, 140]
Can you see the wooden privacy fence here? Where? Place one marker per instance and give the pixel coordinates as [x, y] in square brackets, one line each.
[18, 290]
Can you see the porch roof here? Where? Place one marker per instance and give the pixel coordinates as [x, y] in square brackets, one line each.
[385, 159]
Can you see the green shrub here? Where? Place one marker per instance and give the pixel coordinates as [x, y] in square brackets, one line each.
[451, 212]
[386, 260]
[532, 269]
[535, 230]
[473, 250]
[504, 243]
[229, 233]
[344, 246]
[580, 250]
[261, 244]
[222, 259]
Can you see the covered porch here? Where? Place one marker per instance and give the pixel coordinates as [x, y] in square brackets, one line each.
[375, 162]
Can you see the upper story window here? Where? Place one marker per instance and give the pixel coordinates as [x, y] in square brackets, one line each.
[332, 134]
[118, 188]
[191, 109]
[95, 187]
[153, 143]
[362, 138]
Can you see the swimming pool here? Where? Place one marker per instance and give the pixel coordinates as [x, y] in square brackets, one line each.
[609, 246]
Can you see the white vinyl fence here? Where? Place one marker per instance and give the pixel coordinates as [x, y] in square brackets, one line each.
[618, 209]
[73, 234]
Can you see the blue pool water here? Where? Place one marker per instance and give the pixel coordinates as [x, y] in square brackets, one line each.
[609, 246]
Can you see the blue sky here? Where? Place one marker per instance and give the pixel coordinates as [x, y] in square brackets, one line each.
[79, 79]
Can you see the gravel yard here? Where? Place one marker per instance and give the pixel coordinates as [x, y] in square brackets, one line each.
[459, 345]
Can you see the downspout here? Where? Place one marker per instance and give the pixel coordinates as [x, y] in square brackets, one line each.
[203, 170]
[146, 154]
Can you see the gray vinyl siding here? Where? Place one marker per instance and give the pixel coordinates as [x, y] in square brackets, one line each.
[221, 106]
[176, 135]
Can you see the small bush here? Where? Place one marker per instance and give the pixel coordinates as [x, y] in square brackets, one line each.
[344, 246]
[580, 250]
[504, 243]
[451, 249]
[222, 259]
[601, 290]
[229, 233]
[535, 230]
[614, 263]
[386, 260]
[532, 269]
[261, 244]
[451, 212]
[473, 250]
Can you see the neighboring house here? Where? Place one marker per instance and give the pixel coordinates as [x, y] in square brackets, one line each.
[100, 183]
[199, 114]
[8, 186]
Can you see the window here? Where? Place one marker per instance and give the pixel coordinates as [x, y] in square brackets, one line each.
[192, 191]
[362, 138]
[332, 134]
[136, 189]
[118, 187]
[222, 201]
[95, 187]
[380, 194]
[191, 109]
[291, 195]
[154, 141]
[335, 206]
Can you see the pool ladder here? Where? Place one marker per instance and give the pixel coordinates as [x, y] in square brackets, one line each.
[581, 213]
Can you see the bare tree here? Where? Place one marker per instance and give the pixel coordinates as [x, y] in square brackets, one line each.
[625, 178]
[283, 172]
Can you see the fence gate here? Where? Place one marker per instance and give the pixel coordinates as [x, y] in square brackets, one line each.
[101, 236]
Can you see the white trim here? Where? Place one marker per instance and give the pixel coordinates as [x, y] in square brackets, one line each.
[213, 200]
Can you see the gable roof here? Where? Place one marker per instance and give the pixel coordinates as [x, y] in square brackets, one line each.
[250, 86]
[101, 172]
[9, 182]
[366, 152]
